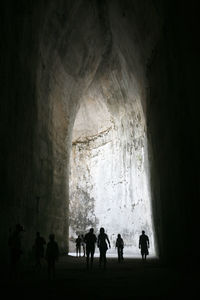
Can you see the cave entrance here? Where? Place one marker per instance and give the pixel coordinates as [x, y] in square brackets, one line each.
[109, 175]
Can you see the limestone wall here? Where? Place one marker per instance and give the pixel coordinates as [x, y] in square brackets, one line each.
[140, 58]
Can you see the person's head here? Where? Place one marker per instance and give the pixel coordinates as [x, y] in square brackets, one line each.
[19, 228]
[51, 237]
[143, 232]
[119, 235]
[91, 230]
[102, 230]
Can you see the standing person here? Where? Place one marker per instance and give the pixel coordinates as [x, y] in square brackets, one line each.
[120, 246]
[39, 250]
[52, 253]
[15, 246]
[103, 247]
[144, 245]
[83, 244]
[78, 246]
[90, 240]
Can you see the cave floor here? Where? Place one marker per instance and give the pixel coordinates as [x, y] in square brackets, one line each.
[126, 280]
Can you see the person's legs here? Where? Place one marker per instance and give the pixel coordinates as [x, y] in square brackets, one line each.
[92, 257]
[91, 261]
[100, 257]
[119, 254]
[13, 268]
[38, 263]
[104, 259]
[53, 268]
[87, 257]
[122, 254]
[49, 269]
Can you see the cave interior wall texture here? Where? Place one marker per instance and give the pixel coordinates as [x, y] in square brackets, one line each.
[136, 56]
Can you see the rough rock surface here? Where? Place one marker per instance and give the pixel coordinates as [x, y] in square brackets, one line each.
[109, 172]
[137, 57]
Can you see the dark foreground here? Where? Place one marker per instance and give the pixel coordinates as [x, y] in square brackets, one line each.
[127, 280]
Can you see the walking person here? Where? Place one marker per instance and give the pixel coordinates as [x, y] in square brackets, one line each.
[144, 245]
[90, 240]
[78, 246]
[83, 244]
[102, 243]
[52, 253]
[15, 245]
[120, 246]
[39, 250]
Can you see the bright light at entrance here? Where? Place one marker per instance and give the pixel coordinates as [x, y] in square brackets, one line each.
[109, 180]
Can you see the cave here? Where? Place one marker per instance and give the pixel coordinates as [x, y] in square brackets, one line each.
[99, 103]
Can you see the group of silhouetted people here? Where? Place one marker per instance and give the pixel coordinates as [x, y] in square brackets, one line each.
[80, 242]
[88, 242]
[51, 255]
[15, 247]
[103, 242]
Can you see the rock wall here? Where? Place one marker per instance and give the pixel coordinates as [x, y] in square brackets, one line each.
[130, 53]
[109, 172]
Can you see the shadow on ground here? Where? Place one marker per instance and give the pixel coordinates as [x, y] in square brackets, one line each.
[126, 280]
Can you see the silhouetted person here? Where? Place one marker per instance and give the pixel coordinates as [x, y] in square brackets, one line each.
[78, 246]
[39, 250]
[90, 240]
[9, 242]
[120, 246]
[14, 243]
[144, 245]
[103, 247]
[52, 253]
[83, 244]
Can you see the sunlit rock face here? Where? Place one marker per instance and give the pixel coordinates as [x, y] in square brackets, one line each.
[109, 172]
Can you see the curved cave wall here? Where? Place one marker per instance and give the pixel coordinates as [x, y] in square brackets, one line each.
[52, 53]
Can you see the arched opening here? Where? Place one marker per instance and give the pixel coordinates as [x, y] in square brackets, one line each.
[102, 73]
[109, 172]
[52, 52]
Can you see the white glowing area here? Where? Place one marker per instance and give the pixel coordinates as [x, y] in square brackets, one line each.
[109, 175]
